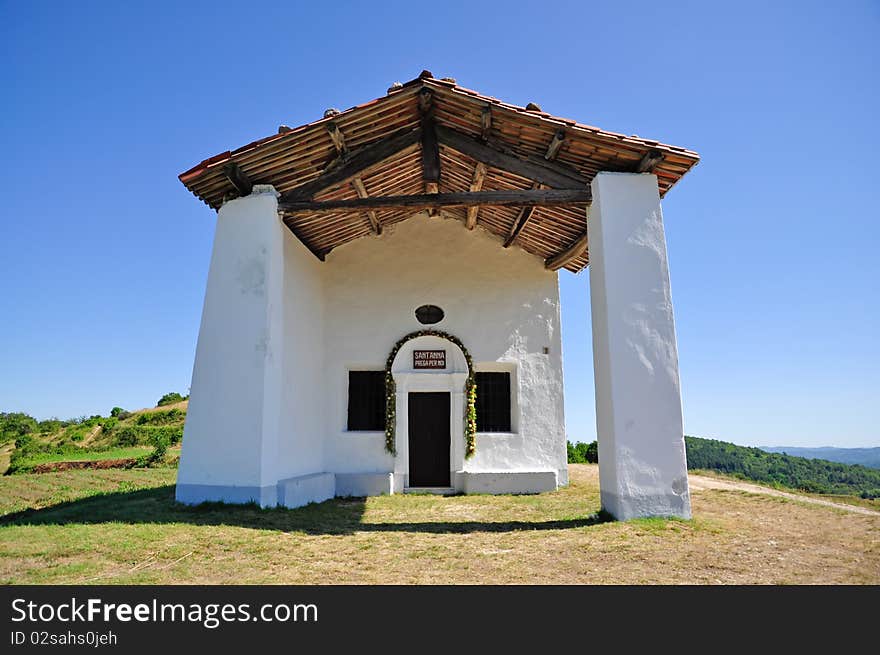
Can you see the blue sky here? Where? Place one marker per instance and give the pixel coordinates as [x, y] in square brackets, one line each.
[773, 238]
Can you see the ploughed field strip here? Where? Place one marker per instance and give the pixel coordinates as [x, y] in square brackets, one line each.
[124, 527]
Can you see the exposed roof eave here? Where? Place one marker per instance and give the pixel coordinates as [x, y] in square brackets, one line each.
[293, 158]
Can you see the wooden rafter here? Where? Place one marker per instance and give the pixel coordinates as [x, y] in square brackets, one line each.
[554, 176]
[356, 162]
[238, 178]
[338, 139]
[357, 183]
[539, 197]
[525, 214]
[573, 251]
[361, 190]
[485, 122]
[476, 185]
[650, 161]
[430, 146]
[555, 145]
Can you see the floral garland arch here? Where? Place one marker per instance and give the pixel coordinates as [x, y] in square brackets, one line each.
[470, 387]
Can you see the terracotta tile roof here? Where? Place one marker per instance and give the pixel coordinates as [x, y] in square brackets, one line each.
[297, 156]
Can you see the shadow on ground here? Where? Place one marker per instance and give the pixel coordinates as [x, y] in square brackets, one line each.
[337, 516]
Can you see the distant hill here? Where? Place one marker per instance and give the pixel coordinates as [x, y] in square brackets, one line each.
[787, 470]
[869, 457]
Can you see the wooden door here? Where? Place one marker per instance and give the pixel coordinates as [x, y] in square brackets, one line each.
[429, 439]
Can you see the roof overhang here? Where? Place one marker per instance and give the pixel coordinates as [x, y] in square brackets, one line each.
[429, 144]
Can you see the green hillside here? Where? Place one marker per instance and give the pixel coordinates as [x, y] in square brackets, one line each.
[778, 469]
[813, 475]
[137, 438]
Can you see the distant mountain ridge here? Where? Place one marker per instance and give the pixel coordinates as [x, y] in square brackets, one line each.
[869, 457]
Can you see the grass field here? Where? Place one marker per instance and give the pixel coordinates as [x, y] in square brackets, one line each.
[122, 526]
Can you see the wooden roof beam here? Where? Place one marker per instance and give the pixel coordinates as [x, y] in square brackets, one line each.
[539, 197]
[355, 163]
[238, 178]
[555, 145]
[485, 122]
[338, 139]
[650, 161]
[476, 185]
[430, 145]
[574, 251]
[525, 214]
[556, 176]
[361, 190]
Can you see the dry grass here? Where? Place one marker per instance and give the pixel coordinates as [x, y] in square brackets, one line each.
[182, 405]
[134, 533]
[5, 456]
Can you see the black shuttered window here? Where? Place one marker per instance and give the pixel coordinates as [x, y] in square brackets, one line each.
[493, 402]
[366, 400]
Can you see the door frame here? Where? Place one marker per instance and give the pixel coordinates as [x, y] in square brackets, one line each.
[408, 379]
[449, 472]
[451, 383]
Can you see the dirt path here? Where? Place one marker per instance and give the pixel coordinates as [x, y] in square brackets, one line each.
[702, 482]
[6, 456]
[90, 437]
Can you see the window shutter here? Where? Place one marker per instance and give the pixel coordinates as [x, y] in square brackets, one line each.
[493, 402]
[366, 401]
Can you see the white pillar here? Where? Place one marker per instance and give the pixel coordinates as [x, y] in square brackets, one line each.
[642, 466]
[230, 443]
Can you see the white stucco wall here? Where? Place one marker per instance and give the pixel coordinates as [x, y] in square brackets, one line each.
[254, 414]
[280, 331]
[502, 303]
[300, 450]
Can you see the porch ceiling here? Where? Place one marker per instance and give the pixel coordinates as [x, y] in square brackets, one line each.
[430, 136]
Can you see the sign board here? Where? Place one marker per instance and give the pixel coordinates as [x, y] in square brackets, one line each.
[429, 359]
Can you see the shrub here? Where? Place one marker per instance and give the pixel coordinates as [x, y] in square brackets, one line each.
[16, 424]
[51, 425]
[160, 418]
[160, 439]
[25, 442]
[169, 399]
[116, 411]
[592, 452]
[109, 424]
[133, 435]
[127, 436]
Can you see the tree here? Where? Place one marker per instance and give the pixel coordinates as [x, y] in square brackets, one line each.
[15, 425]
[592, 452]
[169, 399]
